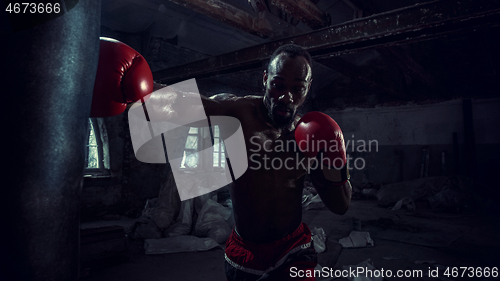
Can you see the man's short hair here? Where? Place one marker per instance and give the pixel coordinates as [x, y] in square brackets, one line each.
[292, 51]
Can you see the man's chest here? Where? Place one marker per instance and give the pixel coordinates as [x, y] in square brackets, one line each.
[274, 152]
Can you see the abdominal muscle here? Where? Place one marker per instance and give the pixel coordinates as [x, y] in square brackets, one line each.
[266, 205]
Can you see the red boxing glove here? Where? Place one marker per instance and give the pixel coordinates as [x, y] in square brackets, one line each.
[123, 76]
[317, 132]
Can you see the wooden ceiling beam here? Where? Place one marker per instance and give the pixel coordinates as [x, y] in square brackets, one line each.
[304, 11]
[411, 24]
[258, 5]
[229, 14]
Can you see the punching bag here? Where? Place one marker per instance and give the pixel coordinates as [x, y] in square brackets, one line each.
[49, 65]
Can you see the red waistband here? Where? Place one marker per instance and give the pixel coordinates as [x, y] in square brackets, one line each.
[300, 230]
[249, 255]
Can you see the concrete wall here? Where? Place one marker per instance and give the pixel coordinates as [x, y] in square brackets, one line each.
[402, 131]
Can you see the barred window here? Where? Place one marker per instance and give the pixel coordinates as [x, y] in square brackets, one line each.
[219, 154]
[191, 157]
[96, 152]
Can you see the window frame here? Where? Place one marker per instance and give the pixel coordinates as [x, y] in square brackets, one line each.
[201, 159]
[102, 170]
[222, 151]
[199, 138]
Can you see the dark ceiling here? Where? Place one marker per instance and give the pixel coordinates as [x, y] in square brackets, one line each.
[366, 53]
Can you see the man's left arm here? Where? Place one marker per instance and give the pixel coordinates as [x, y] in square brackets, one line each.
[336, 196]
[318, 136]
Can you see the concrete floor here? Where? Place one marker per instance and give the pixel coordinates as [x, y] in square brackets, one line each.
[403, 240]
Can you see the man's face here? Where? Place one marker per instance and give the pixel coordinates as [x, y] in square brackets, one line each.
[287, 82]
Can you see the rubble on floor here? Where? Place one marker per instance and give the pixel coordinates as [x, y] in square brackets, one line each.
[199, 221]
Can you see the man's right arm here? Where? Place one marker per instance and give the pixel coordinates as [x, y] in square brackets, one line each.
[220, 104]
[170, 104]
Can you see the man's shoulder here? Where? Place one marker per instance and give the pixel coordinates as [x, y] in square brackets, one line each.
[227, 98]
[253, 99]
[224, 97]
[236, 106]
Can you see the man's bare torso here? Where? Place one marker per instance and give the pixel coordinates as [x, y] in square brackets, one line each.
[266, 201]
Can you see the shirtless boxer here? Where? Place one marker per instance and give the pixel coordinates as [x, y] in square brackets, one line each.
[269, 237]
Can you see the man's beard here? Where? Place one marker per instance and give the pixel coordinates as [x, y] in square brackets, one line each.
[279, 121]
